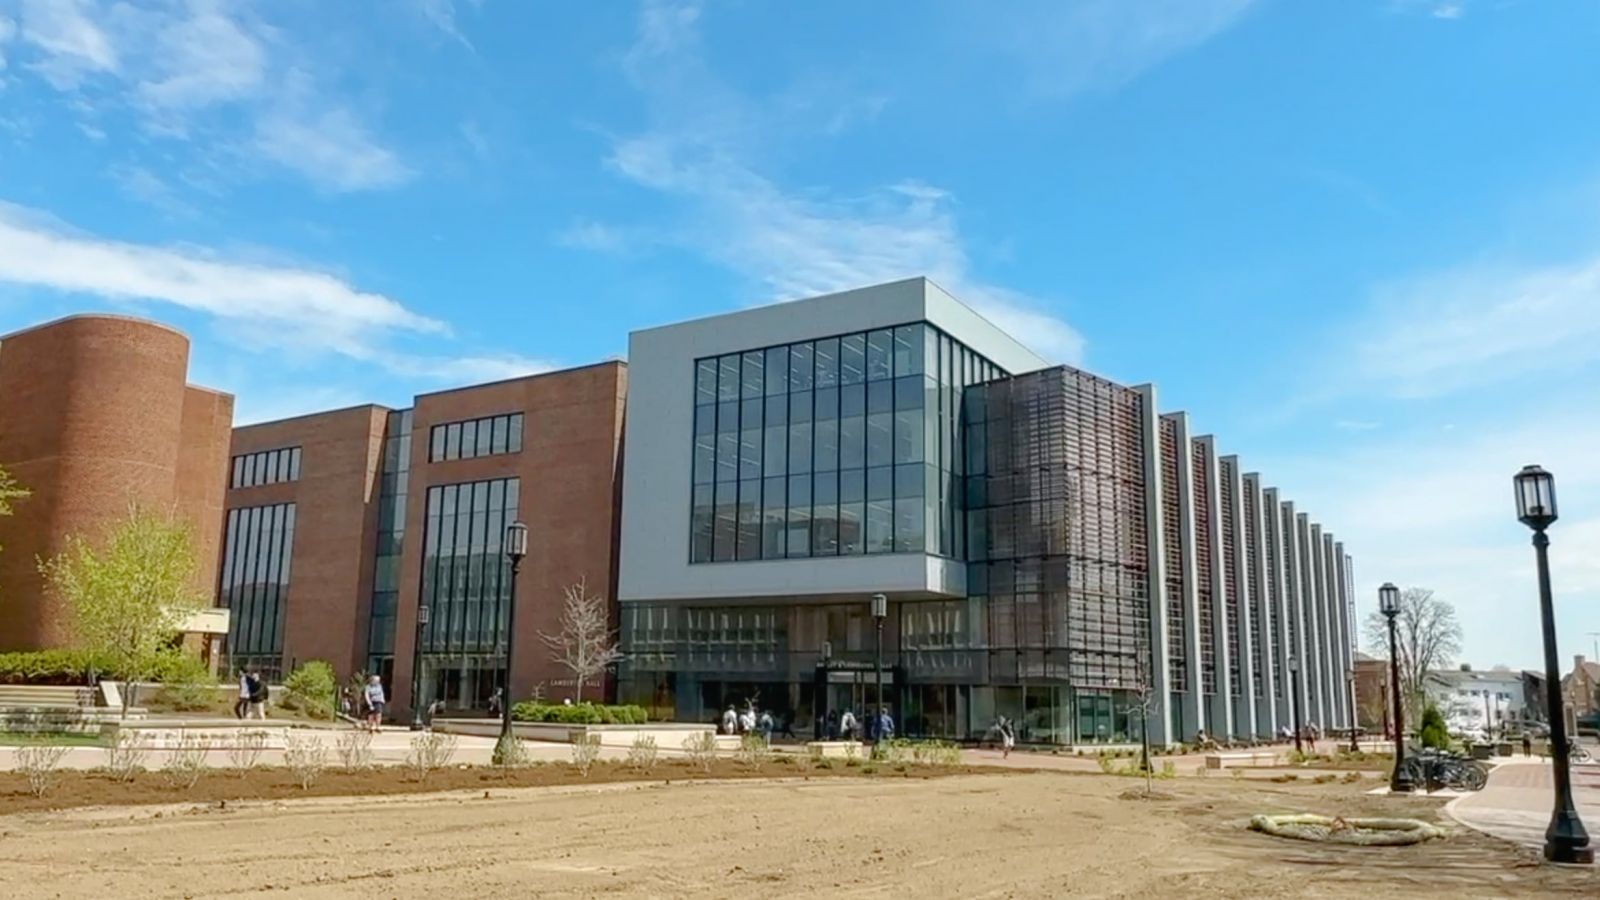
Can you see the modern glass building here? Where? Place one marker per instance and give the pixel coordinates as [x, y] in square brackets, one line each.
[1051, 548]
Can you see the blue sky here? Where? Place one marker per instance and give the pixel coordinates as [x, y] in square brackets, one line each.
[1360, 241]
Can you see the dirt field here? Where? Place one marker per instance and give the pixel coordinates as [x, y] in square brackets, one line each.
[1018, 835]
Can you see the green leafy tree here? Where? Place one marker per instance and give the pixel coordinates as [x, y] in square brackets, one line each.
[128, 594]
[1433, 731]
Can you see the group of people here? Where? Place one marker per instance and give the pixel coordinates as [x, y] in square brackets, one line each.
[752, 722]
[849, 726]
[252, 702]
[371, 702]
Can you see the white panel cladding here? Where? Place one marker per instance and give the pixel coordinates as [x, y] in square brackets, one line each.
[654, 562]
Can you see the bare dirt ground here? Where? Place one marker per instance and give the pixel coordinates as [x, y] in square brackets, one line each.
[986, 835]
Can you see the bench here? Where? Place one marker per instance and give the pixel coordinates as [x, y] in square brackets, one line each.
[1241, 759]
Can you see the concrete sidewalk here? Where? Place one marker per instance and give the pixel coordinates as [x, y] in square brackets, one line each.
[1516, 804]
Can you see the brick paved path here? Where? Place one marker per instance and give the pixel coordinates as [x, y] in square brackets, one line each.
[1516, 803]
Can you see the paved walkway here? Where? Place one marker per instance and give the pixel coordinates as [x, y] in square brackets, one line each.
[1516, 803]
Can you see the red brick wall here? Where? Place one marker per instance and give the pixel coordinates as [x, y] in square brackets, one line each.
[94, 421]
[569, 499]
[330, 580]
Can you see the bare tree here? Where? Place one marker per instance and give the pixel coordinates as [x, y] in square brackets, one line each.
[1145, 702]
[586, 644]
[1427, 635]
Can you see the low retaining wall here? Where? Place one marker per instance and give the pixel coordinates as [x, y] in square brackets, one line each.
[668, 735]
[217, 734]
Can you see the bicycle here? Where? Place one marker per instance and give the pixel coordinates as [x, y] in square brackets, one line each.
[1433, 769]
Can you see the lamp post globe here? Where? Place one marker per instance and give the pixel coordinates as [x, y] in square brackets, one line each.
[516, 547]
[1565, 840]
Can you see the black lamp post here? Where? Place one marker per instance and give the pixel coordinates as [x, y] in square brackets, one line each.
[416, 668]
[1389, 605]
[1351, 677]
[1565, 840]
[516, 549]
[880, 611]
[1294, 701]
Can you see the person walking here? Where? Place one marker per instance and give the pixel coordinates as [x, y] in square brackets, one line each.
[241, 707]
[1008, 738]
[847, 726]
[747, 720]
[765, 726]
[495, 700]
[256, 688]
[730, 720]
[885, 727]
[374, 696]
[1527, 744]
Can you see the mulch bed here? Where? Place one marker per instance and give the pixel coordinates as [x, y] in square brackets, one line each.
[74, 789]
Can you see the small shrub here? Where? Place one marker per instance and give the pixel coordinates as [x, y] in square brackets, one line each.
[186, 762]
[1169, 769]
[355, 750]
[822, 762]
[1352, 777]
[1433, 732]
[187, 684]
[307, 757]
[585, 751]
[869, 769]
[852, 753]
[1325, 778]
[754, 750]
[37, 763]
[310, 688]
[702, 750]
[642, 755]
[430, 750]
[579, 713]
[127, 753]
[245, 751]
[511, 753]
[1285, 778]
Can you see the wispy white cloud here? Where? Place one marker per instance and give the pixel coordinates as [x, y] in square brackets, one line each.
[1473, 325]
[441, 14]
[211, 74]
[201, 59]
[1447, 10]
[8, 30]
[793, 243]
[308, 305]
[330, 148]
[1355, 425]
[144, 185]
[71, 46]
[589, 235]
[1088, 45]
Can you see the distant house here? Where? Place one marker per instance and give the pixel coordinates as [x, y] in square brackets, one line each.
[1580, 689]
[1478, 701]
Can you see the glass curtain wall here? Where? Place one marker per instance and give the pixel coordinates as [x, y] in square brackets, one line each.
[1228, 528]
[1177, 612]
[839, 446]
[1203, 572]
[254, 587]
[466, 584]
[394, 480]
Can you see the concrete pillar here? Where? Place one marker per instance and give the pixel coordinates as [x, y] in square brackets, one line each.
[1194, 698]
[1266, 709]
[1311, 667]
[1295, 601]
[1220, 714]
[1346, 635]
[1244, 714]
[1274, 552]
[1319, 618]
[1160, 720]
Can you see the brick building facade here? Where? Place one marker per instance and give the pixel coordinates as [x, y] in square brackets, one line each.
[99, 416]
[342, 524]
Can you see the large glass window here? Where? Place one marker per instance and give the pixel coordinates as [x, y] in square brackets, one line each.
[488, 436]
[265, 467]
[257, 550]
[393, 484]
[465, 574]
[838, 446]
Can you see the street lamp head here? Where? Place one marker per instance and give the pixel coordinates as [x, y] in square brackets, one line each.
[1389, 599]
[516, 541]
[880, 606]
[1536, 497]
